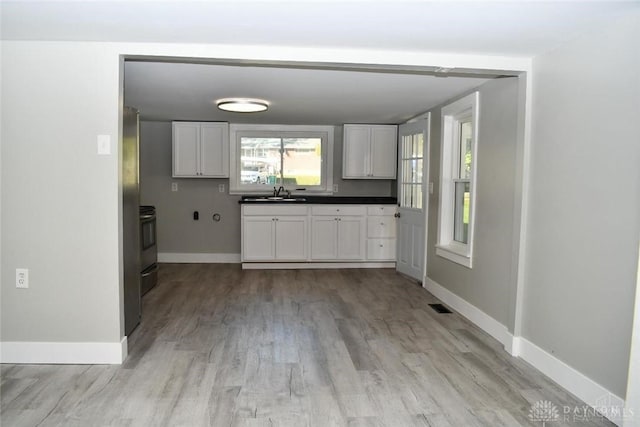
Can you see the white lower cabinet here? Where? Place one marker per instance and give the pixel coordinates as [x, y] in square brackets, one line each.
[274, 233]
[290, 238]
[337, 238]
[338, 233]
[318, 233]
[258, 238]
[381, 233]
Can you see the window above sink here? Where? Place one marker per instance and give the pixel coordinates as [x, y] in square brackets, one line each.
[298, 158]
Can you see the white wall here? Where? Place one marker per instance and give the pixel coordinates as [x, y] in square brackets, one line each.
[582, 247]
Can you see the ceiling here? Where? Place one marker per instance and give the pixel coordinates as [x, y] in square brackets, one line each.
[175, 91]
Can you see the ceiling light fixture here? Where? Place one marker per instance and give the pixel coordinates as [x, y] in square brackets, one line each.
[242, 105]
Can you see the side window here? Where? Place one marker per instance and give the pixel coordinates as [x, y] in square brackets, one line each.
[457, 180]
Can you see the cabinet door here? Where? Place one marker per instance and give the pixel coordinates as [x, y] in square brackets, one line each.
[291, 238]
[351, 238]
[324, 234]
[214, 155]
[384, 148]
[186, 146]
[356, 152]
[258, 238]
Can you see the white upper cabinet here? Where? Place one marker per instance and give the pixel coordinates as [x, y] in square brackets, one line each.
[200, 150]
[369, 151]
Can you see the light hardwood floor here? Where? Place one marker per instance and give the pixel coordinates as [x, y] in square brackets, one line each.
[224, 347]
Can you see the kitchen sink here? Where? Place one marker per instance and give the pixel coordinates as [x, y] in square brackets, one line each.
[275, 199]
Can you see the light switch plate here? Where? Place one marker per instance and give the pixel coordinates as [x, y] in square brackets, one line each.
[104, 145]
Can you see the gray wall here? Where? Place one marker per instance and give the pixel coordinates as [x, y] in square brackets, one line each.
[177, 231]
[60, 200]
[582, 246]
[487, 285]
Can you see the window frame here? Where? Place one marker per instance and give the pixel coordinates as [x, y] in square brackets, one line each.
[237, 131]
[453, 115]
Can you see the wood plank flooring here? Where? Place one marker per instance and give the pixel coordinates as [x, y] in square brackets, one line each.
[219, 346]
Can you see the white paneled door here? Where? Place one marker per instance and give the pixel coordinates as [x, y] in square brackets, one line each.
[413, 164]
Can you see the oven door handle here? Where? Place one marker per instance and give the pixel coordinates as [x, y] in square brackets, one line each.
[146, 217]
[150, 272]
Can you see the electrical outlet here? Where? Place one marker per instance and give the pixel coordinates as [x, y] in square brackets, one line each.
[220, 188]
[22, 278]
[335, 188]
[174, 186]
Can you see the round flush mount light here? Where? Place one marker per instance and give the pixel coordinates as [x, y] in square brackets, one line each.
[242, 105]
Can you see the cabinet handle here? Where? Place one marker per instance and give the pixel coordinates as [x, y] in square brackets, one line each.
[381, 245]
[382, 223]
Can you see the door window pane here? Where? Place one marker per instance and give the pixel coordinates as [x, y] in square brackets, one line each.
[412, 164]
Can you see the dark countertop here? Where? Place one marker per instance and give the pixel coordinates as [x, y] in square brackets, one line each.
[329, 200]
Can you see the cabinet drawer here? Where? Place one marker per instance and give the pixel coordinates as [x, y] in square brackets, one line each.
[381, 249]
[382, 210]
[338, 210]
[274, 210]
[381, 226]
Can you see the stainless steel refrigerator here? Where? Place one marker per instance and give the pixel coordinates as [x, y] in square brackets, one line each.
[131, 219]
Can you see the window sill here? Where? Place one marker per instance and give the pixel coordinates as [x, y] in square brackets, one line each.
[454, 254]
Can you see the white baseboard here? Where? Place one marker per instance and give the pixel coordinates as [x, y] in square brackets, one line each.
[592, 393]
[314, 265]
[481, 319]
[197, 258]
[587, 390]
[72, 353]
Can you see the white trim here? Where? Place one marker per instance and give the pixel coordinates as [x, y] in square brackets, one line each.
[587, 390]
[76, 353]
[521, 201]
[481, 319]
[450, 253]
[569, 378]
[314, 265]
[198, 258]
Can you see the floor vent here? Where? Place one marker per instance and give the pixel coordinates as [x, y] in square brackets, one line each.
[440, 308]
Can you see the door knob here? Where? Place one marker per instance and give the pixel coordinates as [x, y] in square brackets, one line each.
[396, 215]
